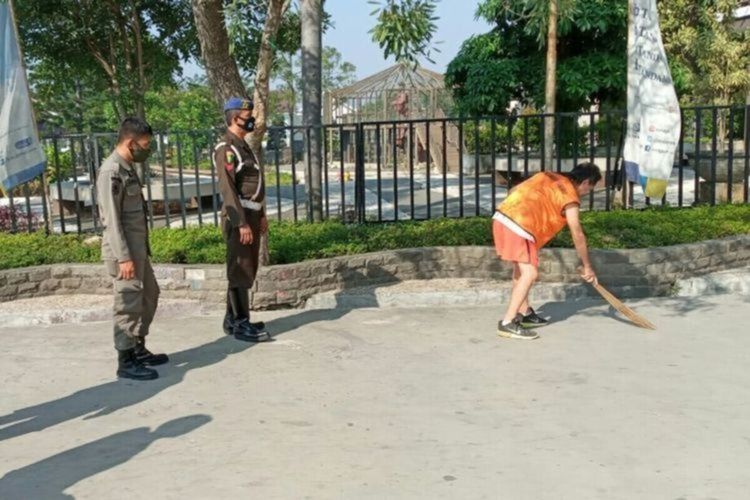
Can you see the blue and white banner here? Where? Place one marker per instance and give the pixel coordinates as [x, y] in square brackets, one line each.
[654, 119]
[21, 155]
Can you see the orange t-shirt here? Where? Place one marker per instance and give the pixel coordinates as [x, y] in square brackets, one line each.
[537, 204]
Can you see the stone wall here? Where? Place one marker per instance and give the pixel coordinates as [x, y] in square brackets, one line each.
[630, 273]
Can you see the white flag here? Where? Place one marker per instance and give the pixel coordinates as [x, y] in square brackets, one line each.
[21, 155]
[653, 110]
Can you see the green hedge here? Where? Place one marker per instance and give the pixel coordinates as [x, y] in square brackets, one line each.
[291, 242]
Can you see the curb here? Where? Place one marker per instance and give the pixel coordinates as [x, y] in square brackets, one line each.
[168, 308]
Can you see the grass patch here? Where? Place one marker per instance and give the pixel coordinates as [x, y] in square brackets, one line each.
[297, 242]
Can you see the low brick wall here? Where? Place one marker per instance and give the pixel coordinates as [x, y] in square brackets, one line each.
[631, 273]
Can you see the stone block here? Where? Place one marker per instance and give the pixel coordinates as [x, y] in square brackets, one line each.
[649, 255]
[49, 285]
[169, 272]
[286, 297]
[39, 274]
[3, 279]
[71, 283]
[16, 276]
[60, 271]
[195, 274]
[214, 285]
[9, 291]
[215, 273]
[606, 257]
[87, 271]
[263, 300]
[28, 287]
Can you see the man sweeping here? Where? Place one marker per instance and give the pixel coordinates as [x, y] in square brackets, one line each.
[534, 212]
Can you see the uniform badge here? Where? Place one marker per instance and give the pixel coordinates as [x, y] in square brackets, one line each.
[229, 160]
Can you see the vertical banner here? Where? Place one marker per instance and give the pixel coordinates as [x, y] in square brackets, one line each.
[21, 155]
[653, 110]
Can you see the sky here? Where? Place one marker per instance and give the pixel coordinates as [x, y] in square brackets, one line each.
[352, 23]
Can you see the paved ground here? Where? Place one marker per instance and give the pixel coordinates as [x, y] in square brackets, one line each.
[388, 404]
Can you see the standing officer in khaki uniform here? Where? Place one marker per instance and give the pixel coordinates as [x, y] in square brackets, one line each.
[243, 217]
[125, 250]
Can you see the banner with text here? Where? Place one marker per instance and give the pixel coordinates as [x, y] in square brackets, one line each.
[21, 155]
[654, 121]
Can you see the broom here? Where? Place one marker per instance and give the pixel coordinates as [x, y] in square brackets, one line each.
[622, 308]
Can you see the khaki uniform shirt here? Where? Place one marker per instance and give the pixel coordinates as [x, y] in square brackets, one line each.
[122, 210]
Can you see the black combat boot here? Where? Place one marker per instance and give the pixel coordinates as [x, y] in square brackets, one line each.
[243, 296]
[232, 308]
[238, 306]
[128, 366]
[146, 357]
[243, 329]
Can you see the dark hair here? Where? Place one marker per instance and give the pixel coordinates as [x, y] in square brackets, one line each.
[230, 115]
[133, 128]
[584, 172]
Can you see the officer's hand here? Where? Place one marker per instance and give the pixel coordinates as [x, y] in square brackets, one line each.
[246, 235]
[263, 225]
[127, 270]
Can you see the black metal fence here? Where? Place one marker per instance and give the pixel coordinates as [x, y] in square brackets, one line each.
[390, 171]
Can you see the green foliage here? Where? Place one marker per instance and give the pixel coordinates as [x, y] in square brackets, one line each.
[189, 106]
[94, 46]
[484, 138]
[507, 64]
[296, 242]
[35, 249]
[708, 56]
[404, 28]
[188, 246]
[659, 226]
[59, 166]
[707, 51]
[335, 74]
[245, 20]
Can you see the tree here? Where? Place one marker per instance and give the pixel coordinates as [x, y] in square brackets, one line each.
[312, 41]
[274, 17]
[405, 28]
[336, 74]
[507, 64]
[221, 67]
[223, 44]
[189, 106]
[706, 51]
[216, 53]
[121, 49]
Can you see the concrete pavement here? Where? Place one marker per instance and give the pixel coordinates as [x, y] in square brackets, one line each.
[368, 403]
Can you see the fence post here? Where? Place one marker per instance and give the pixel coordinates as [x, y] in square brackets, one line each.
[359, 174]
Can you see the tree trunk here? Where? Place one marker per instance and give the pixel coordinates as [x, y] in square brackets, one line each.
[276, 10]
[141, 87]
[311, 102]
[221, 68]
[550, 85]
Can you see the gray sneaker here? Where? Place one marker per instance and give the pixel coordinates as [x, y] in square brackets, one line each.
[514, 330]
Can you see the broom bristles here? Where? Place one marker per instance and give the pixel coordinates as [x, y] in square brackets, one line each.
[623, 309]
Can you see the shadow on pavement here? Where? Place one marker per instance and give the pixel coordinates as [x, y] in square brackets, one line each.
[48, 478]
[112, 396]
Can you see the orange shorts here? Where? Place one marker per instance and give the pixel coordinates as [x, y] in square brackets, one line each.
[511, 247]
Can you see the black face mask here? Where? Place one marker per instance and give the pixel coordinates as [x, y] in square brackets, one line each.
[249, 124]
[139, 154]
